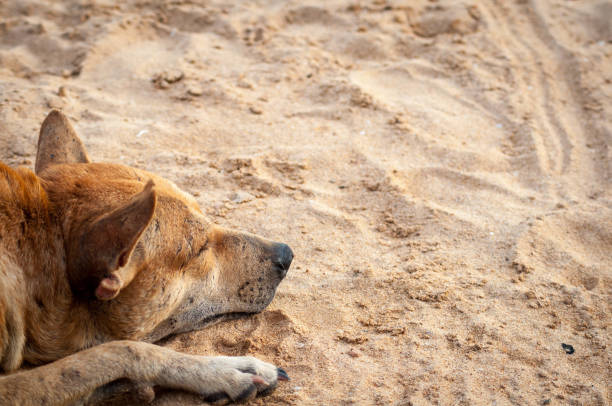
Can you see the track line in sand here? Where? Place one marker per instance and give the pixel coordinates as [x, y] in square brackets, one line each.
[559, 132]
[529, 95]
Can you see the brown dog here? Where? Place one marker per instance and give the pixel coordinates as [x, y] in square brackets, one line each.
[99, 260]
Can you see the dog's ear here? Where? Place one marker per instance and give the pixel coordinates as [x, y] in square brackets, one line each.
[58, 143]
[104, 246]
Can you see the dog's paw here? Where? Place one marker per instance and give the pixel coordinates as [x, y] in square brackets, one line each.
[239, 379]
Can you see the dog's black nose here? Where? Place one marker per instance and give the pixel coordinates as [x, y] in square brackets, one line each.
[282, 259]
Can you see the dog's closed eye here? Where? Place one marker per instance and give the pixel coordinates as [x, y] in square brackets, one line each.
[197, 254]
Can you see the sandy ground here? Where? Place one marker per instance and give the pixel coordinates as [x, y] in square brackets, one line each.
[440, 168]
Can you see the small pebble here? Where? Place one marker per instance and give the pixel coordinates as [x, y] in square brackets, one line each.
[241, 197]
[569, 349]
[164, 79]
[255, 110]
[173, 75]
[195, 91]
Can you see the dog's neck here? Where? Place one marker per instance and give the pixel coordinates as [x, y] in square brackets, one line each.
[31, 243]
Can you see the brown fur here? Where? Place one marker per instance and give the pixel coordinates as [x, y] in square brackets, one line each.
[92, 253]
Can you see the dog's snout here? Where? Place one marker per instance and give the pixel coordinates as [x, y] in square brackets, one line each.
[282, 258]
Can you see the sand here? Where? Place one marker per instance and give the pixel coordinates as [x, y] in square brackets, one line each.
[441, 170]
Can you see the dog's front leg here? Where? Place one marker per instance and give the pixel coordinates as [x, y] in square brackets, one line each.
[221, 379]
[75, 377]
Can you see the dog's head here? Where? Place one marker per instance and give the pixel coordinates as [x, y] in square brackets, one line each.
[138, 251]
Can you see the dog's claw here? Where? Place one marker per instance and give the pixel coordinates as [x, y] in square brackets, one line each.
[282, 375]
[258, 380]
